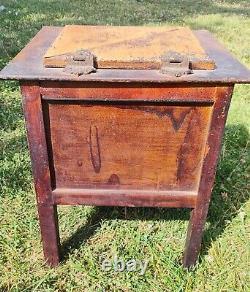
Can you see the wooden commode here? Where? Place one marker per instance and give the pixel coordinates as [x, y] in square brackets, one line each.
[124, 116]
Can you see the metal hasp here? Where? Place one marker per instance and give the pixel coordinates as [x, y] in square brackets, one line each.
[175, 64]
[80, 63]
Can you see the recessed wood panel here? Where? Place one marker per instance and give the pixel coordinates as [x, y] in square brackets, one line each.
[128, 146]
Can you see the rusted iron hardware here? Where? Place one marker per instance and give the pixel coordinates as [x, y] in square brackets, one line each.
[80, 63]
[175, 64]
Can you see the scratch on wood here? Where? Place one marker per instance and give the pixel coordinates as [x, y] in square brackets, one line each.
[207, 149]
[94, 147]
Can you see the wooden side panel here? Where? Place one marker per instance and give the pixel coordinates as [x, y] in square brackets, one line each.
[127, 146]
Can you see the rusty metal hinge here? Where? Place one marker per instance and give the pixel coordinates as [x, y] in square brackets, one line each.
[80, 63]
[175, 64]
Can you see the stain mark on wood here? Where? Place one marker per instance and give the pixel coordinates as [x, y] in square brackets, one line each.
[79, 163]
[114, 179]
[191, 145]
[142, 154]
[94, 147]
[176, 120]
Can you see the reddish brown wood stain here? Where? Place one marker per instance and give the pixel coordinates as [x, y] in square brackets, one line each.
[157, 150]
[27, 65]
[130, 198]
[141, 145]
[94, 148]
[199, 213]
[130, 92]
[127, 47]
[47, 211]
[124, 137]
[193, 144]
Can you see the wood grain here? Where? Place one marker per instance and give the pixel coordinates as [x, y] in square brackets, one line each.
[127, 47]
[199, 213]
[127, 92]
[28, 65]
[32, 107]
[159, 149]
[124, 146]
[125, 137]
[47, 211]
[129, 198]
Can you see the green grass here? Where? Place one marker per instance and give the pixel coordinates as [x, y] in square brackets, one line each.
[154, 234]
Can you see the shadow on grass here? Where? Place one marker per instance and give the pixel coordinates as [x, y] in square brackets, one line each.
[230, 193]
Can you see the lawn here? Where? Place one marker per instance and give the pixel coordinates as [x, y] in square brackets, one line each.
[91, 234]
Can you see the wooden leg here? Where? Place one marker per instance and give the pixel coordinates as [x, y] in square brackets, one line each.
[199, 213]
[50, 233]
[41, 172]
[194, 237]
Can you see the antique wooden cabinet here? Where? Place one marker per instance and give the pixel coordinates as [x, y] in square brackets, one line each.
[124, 116]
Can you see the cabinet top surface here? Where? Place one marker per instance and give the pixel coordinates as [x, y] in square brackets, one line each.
[126, 47]
[29, 63]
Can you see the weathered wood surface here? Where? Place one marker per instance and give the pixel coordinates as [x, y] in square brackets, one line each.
[28, 65]
[124, 137]
[127, 47]
[214, 141]
[102, 91]
[40, 166]
[129, 198]
[156, 151]
[128, 146]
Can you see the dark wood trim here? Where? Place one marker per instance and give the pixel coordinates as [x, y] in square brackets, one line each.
[50, 233]
[199, 213]
[129, 198]
[40, 167]
[133, 92]
[36, 140]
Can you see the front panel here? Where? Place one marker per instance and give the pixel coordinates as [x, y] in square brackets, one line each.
[127, 145]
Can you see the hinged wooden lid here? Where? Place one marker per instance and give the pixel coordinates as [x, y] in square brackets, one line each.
[126, 47]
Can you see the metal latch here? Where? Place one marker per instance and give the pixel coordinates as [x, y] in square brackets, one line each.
[80, 63]
[175, 64]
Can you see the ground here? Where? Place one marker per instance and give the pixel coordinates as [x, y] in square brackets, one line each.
[90, 234]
